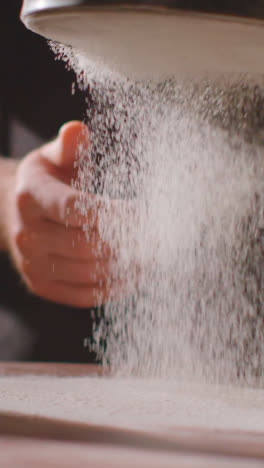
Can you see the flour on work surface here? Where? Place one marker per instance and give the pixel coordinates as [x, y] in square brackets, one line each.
[150, 404]
[183, 162]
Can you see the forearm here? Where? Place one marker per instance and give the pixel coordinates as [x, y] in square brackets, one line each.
[7, 175]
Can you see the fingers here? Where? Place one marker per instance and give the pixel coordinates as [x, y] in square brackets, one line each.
[53, 255]
[56, 268]
[49, 238]
[78, 295]
[45, 196]
[44, 187]
[44, 182]
[73, 140]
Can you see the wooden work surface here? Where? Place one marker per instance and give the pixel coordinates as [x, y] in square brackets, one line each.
[52, 369]
[32, 439]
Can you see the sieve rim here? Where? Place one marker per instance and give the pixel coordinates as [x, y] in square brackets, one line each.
[39, 7]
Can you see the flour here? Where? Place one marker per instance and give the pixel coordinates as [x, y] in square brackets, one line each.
[143, 404]
[186, 159]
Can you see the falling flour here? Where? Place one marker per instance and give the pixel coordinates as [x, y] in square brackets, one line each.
[183, 161]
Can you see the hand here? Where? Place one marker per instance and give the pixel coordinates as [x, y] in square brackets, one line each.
[44, 231]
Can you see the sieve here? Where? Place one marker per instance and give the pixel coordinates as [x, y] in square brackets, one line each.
[156, 38]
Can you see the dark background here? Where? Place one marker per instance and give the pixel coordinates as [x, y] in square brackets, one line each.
[35, 100]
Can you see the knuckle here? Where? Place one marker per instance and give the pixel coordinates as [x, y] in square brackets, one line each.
[33, 286]
[23, 199]
[20, 238]
[83, 300]
[26, 267]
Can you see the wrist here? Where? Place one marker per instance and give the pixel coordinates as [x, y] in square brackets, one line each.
[8, 170]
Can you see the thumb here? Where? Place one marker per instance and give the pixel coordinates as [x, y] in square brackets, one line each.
[73, 138]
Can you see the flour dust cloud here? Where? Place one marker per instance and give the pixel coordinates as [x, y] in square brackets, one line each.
[180, 169]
